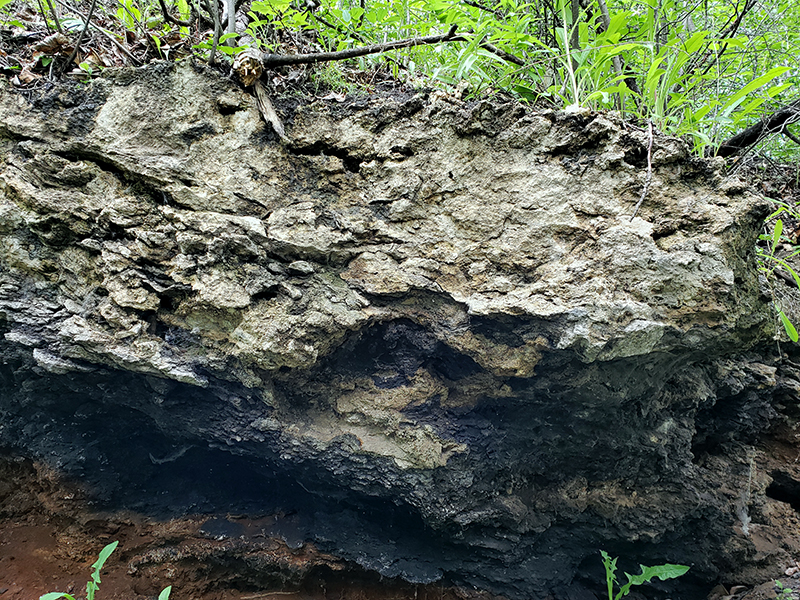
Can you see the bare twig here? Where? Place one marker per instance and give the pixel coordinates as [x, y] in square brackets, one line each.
[214, 6]
[120, 47]
[44, 16]
[80, 36]
[56, 18]
[105, 32]
[606, 24]
[174, 20]
[616, 60]
[729, 32]
[270, 61]
[649, 170]
[497, 13]
[785, 131]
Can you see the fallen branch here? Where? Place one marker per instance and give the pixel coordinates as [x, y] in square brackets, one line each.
[268, 111]
[80, 36]
[270, 61]
[785, 131]
[774, 123]
[501, 53]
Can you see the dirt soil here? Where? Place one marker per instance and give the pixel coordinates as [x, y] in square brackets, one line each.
[775, 527]
[49, 538]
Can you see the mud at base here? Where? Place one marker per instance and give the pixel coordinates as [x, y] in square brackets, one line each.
[50, 537]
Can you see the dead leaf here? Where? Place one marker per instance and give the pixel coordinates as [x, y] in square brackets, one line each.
[26, 14]
[26, 77]
[737, 589]
[51, 44]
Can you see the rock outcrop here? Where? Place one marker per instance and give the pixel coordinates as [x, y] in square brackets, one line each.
[430, 328]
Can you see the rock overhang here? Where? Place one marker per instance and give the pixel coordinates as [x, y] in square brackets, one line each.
[440, 303]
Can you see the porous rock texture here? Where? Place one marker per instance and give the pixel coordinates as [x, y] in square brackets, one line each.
[429, 328]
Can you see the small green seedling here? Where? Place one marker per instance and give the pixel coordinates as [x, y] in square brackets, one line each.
[784, 593]
[94, 585]
[86, 68]
[661, 571]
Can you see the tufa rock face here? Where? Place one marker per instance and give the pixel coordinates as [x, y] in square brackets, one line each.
[432, 328]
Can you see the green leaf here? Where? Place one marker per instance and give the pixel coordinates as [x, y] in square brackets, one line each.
[104, 554]
[663, 572]
[791, 271]
[776, 234]
[787, 325]
[72, 24]
[611, 569]
[777, 212]
[734, 100]
[526, 92]
[164, 595]
[93, 586]
[55, 596]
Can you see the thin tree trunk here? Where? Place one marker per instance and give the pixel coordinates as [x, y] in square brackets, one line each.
[231, 4]
[616, 60]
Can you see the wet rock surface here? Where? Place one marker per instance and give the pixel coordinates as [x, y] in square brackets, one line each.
[427, 333]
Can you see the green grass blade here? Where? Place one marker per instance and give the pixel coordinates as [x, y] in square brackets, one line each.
[787, 325]
[776, 234]
[786, 266]
[758, 82]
